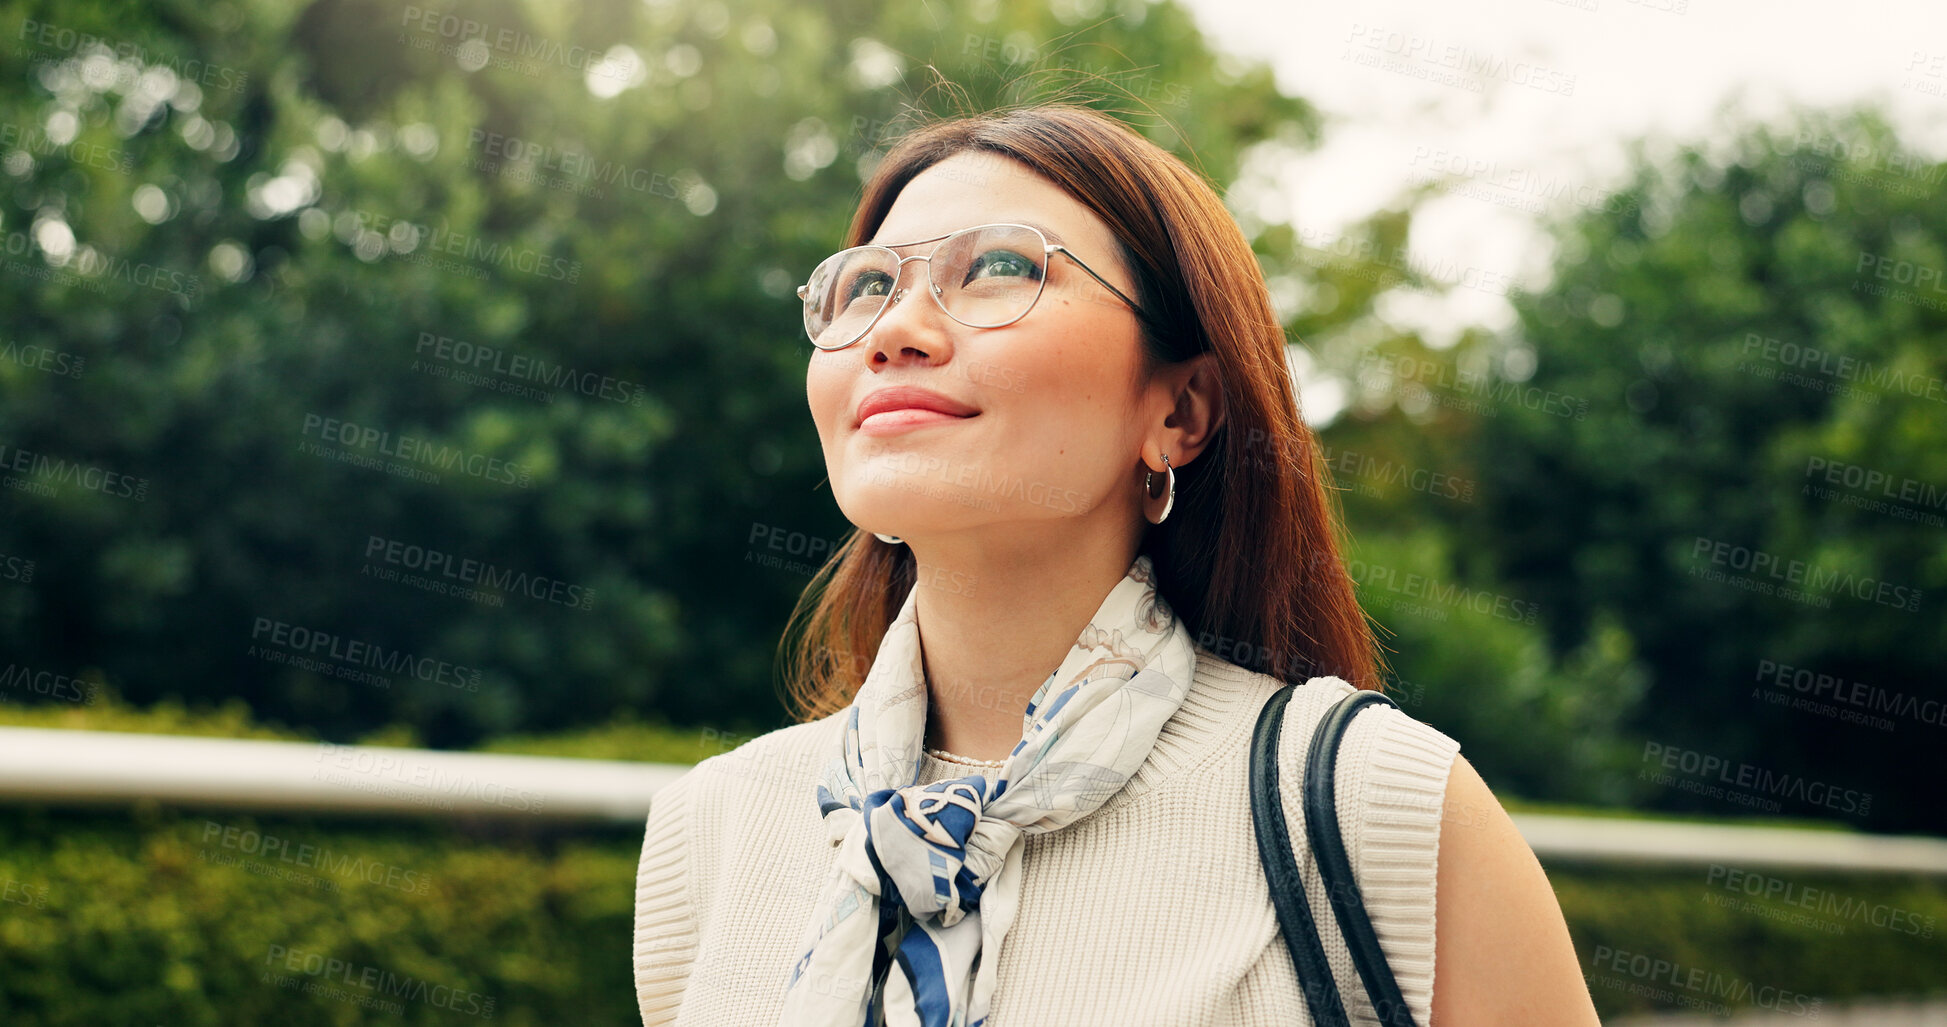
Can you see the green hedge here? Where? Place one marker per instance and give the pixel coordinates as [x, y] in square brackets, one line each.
[192, 919]
[1749, 938]
[152, 916]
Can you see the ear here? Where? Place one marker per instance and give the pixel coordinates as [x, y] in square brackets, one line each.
[1196, 400]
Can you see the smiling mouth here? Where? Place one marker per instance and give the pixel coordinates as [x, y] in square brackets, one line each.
[887, 422]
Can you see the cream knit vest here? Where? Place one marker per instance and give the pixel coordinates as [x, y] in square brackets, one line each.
[1153, 910]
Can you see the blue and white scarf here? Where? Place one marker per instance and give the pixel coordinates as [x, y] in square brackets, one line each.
[927, 878]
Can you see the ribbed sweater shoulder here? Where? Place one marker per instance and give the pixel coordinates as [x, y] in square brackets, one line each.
[1153, 909]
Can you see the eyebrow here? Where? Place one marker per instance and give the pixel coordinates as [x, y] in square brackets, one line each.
[1053, 236]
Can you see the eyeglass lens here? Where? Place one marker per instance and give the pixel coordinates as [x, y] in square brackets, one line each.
[985, 277]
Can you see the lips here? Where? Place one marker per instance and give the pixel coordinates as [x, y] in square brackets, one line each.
[910, 397]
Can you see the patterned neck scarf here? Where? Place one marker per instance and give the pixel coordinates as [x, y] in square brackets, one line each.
[927, 878]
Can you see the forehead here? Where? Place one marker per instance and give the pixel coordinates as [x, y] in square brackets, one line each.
[983, 188]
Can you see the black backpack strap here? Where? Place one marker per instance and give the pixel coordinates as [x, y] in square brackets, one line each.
[1328, 847]
[1281, 870]
[1341, 887]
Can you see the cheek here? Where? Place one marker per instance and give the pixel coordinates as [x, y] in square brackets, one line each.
[1081, 369]
[826, 392]
[1072, 388]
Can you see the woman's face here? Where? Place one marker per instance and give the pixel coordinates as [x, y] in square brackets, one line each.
[1054, 430]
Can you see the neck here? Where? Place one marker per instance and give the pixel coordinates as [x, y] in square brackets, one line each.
[996, 617]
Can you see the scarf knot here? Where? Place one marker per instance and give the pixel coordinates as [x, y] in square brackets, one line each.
[926, 880]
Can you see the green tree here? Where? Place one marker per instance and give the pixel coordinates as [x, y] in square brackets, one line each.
[545, 252]
[1757, 491]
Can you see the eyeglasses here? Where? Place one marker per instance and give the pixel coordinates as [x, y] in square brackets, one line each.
[987, 276]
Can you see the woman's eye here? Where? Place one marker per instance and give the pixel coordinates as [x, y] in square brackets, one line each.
[868, 283]
[1001, 264]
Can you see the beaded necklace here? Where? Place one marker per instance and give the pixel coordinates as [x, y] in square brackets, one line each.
[965, 761]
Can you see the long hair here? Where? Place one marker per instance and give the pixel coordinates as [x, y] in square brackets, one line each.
[1249, 557]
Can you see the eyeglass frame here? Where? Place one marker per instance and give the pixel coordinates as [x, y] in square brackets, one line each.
[1048, 251]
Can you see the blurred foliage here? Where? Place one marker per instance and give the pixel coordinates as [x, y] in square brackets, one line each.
[1707, 348]
[173, 918]
[1827, 938]
[191, 919]
[623, 738]
[314, 207]
[240, 223]
[108, 712]
[322, 202]
[232, 221]
[1716, 319]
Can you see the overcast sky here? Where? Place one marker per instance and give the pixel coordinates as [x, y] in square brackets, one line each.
[1515, 100]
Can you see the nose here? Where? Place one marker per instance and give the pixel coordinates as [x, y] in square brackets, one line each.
[917, 324]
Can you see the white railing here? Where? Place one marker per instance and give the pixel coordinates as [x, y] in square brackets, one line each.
[42, 765]
[39, 764]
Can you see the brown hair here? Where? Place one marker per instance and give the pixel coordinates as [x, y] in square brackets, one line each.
[1249, 557]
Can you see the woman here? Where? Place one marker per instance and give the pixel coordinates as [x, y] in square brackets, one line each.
[1081, 451]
